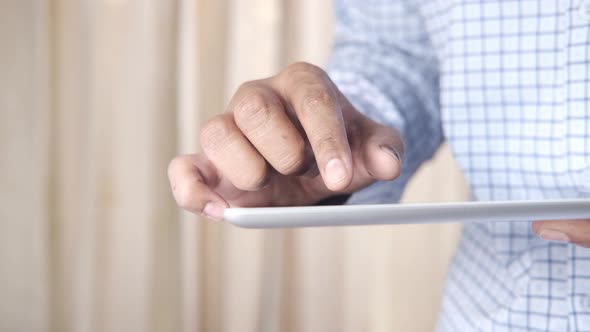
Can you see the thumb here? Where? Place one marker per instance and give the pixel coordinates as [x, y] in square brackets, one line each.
[382, 150]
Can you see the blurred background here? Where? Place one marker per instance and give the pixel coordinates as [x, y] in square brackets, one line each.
[95, 98]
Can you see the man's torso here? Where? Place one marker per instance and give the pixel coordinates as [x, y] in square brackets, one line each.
[515, 103]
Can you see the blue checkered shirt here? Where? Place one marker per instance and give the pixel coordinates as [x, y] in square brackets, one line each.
[507, 84]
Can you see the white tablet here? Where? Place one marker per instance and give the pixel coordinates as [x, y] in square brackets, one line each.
[388, 214]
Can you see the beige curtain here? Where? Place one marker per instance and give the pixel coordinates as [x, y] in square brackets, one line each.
[95, 98]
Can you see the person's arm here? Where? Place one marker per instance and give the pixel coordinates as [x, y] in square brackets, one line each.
[384, 63]
[295, 139]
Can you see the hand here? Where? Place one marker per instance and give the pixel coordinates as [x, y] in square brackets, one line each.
[574, 231]
[291, 139]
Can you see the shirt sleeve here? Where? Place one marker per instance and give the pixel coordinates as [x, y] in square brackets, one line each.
[383, 62]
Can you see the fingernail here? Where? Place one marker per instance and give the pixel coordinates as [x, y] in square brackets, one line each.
[553, 236]
[391, 150]
[213, 211]
[335, 171]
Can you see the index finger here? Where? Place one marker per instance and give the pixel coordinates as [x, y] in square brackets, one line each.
[311, 95]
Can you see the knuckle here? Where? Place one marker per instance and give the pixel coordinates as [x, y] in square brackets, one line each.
[303, 67]
[300, 74]
[248, 86]
[254, 110]
[253, 180]
[326, 142]
[291, 162]
[217, 130]
[317, 99]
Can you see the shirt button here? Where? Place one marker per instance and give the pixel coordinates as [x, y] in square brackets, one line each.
[584, 9]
